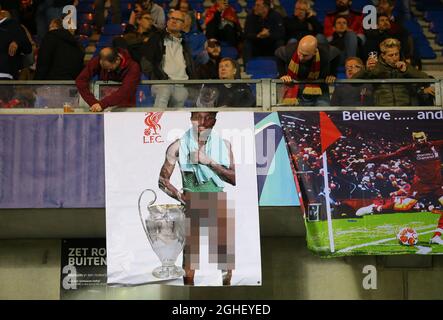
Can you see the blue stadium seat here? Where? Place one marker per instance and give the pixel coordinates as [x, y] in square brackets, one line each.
[436, 26]
[229, 52]
[341, 75]
[426, 52]
[196, 41]
[144, 96]
[105, 41]
[413, 26]
[262, 67]
[432, 16]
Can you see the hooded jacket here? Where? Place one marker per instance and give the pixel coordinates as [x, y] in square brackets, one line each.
[128, 73]
[60, 57]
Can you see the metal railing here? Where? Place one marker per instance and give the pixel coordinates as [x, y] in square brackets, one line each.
[266, 92]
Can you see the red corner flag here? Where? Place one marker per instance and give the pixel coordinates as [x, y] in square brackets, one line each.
[328, 132]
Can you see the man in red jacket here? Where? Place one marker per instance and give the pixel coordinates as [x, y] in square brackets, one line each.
[353, 17]
[111, 65]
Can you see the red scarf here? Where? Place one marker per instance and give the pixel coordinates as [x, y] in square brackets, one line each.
[290, 95]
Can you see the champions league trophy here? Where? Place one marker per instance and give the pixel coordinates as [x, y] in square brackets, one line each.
[164, 226]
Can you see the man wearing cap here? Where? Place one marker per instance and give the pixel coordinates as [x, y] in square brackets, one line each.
[209, 70]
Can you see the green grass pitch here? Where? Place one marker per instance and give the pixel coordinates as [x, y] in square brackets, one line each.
[374, 234]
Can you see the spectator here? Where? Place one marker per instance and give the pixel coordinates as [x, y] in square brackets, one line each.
[277, 7]
[209, 70]
[12, 6]
[389, 66]
[27, 15]
[387, 7]
[13, 45]
[344, 39]
[28, 66]
[405, 9]
[402, 7]
[222, 23]
[48, 10]
[353, 17]
[264, 31]
[398, 31]
[384, 31]
[226, 95]
[284, 55]
[348, 94]
[111, 65]
[166, 56]
[185, 7]
[309, 62]
[134, 40]
[100, 13]
[302, 23]
[194, 38]
[157, 13]
[135, 14]
[60, 55]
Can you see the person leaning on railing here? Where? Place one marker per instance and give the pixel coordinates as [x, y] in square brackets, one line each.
[389, 66]
[310, 62]
[111, 65]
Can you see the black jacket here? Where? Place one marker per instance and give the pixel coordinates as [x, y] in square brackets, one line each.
[219, 95]
[274, 22]
[347, 94]
[60, 57]
[152, 55]
[329, 59]
[11, 31]
[297, 29]
[209, 70]
[133, 42]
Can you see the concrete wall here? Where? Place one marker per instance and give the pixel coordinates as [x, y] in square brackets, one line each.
[30, 263]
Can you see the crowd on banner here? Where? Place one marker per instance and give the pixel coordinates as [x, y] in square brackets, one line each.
[222, 40]
[382, 180]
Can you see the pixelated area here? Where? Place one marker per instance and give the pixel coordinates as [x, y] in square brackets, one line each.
[215, 213]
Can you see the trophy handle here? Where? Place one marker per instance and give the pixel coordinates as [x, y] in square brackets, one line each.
[140, 211]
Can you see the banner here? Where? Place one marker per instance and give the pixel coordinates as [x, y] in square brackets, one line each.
[181, 200]
[276, 187]
[45, 162]
[383, 174]
[51, 161]
[83, 269]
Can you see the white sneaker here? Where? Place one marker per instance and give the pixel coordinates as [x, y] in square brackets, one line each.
[365, 210]
[436, 240]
